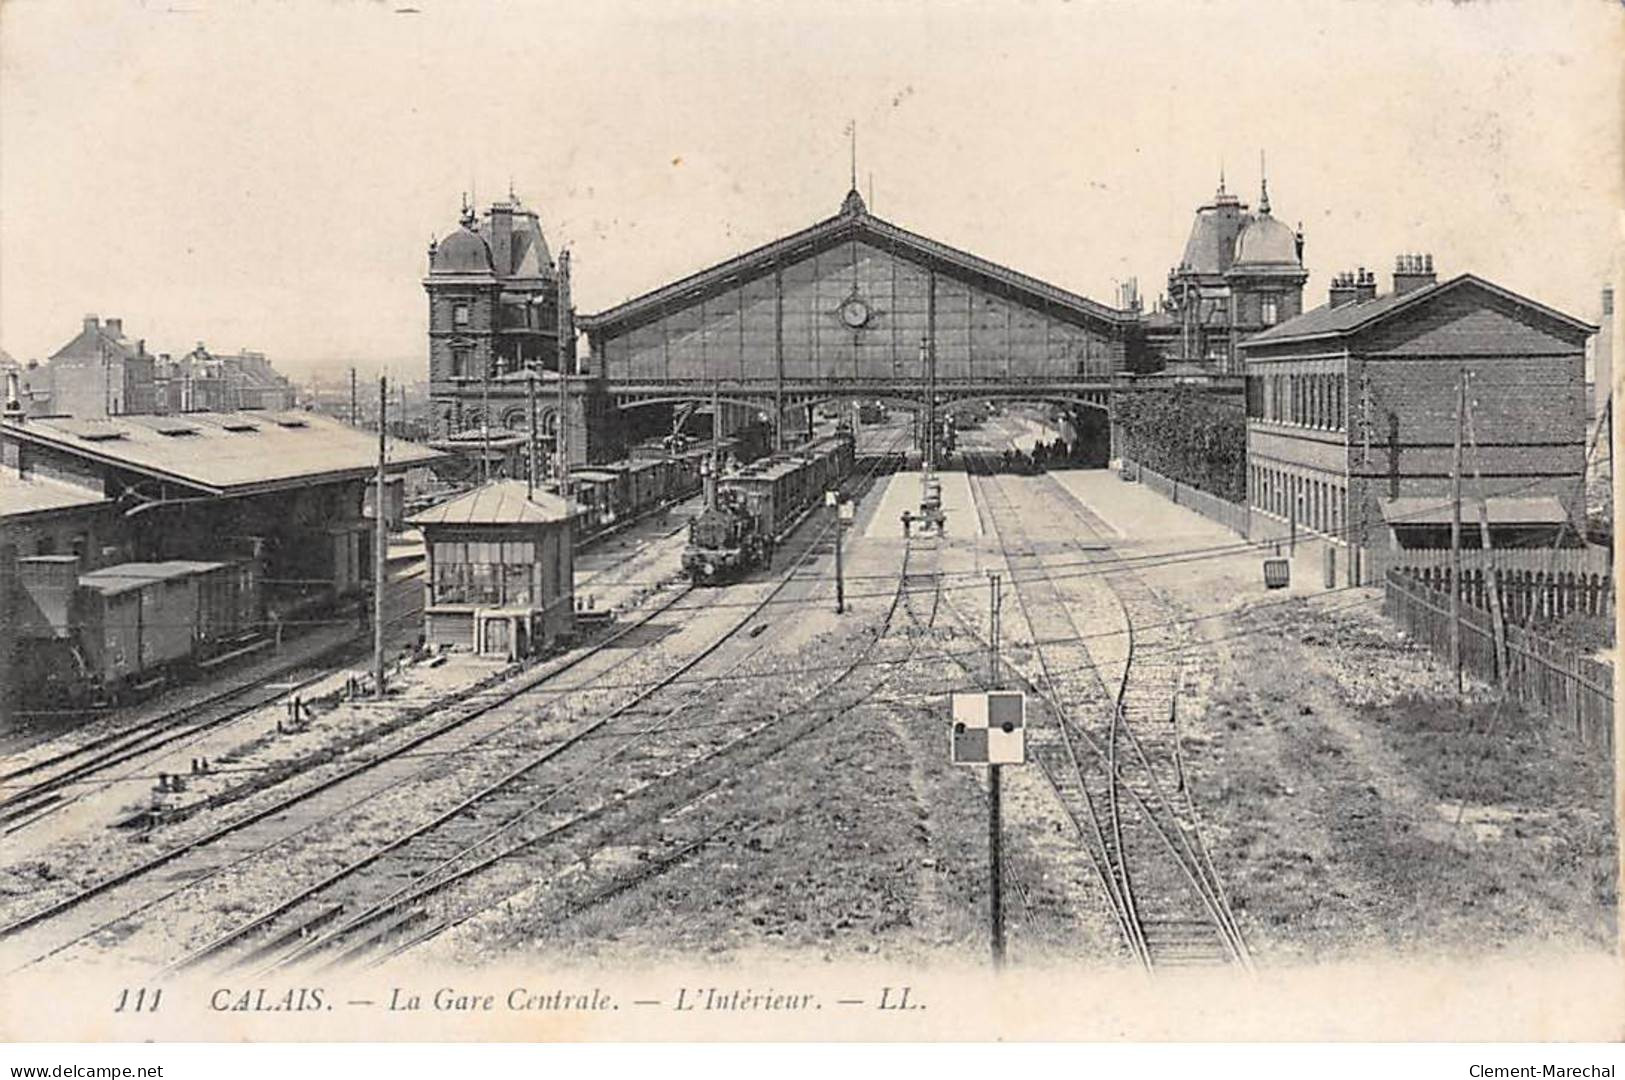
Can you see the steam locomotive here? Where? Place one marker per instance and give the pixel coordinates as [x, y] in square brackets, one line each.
[755, 508]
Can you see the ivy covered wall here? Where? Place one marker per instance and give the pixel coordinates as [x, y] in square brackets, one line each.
[1196, 438]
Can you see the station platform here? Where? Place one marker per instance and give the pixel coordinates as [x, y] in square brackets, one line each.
[902, 492]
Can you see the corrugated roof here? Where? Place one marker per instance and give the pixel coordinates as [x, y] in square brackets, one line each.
[1503, 510]
[500, 502]
[228, 452]
[1327, 321]
[21, 495]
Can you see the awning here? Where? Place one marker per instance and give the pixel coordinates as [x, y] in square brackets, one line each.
[1503, 510]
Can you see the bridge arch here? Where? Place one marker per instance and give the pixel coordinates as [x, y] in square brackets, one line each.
[698, 397]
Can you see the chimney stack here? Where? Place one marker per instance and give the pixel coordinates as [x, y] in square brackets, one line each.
[114, 326]
[1412, 272]
[92, 322]
[1343, 290]
[14, 402]
[1365, 286]
[502, 237]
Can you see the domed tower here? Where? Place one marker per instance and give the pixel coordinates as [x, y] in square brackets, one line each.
[493, 310]
[1198, 290]
[1241, 272]
[1266, 277]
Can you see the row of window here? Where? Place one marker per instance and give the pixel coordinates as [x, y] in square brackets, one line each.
[1313, 400]
[518, 316]
[484, 551]
[496, 573]
[1317, 505]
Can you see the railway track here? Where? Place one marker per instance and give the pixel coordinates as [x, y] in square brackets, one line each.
[108, 907]
[1111, 757]
[1016, 870]
[53, 783]
[556, 854]
[520, 827]
[107, 904]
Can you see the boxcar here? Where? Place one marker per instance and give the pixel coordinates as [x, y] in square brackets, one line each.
[226, 602]
[648, 484]
[599, 492]
[137, 618]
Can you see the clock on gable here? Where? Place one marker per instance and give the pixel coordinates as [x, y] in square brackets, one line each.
[855, 312]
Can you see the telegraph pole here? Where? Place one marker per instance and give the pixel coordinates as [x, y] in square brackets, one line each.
[995, 799]
[353, 402]
[485, 420]
[995, 852]
[994, 673]
[1455, 533]
[566, 330]
[840, 573]
[531, 462]
[1491, 574]
[379, 541]
[713, 473]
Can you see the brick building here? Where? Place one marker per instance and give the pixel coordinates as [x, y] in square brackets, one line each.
[1351, 413]
[101, 372]
[1241, 272]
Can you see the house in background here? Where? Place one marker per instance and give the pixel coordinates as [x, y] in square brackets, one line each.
[101, 373]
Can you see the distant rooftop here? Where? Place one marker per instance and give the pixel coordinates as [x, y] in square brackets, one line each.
[1328, 321]
[222, 452]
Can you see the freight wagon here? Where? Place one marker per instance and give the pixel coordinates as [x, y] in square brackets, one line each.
[620, 491]
[133, 624]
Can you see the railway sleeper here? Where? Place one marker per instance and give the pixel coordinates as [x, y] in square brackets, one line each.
[377, 935]
[290, 937]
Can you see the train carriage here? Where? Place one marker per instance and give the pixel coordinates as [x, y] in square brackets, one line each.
[758, 506]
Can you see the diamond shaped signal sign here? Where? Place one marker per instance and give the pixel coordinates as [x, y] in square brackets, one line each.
[989, 728]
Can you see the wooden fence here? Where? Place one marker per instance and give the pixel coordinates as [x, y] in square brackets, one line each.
[1538, 585]
[1232, 515]
[1571, 688]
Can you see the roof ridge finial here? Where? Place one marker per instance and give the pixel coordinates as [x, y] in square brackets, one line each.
[852, 131]
[1263, 186]
[853, 203]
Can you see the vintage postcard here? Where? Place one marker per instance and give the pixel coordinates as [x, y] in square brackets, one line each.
[811, 521]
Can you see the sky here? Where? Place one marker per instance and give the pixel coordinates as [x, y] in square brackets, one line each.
[269, 176]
